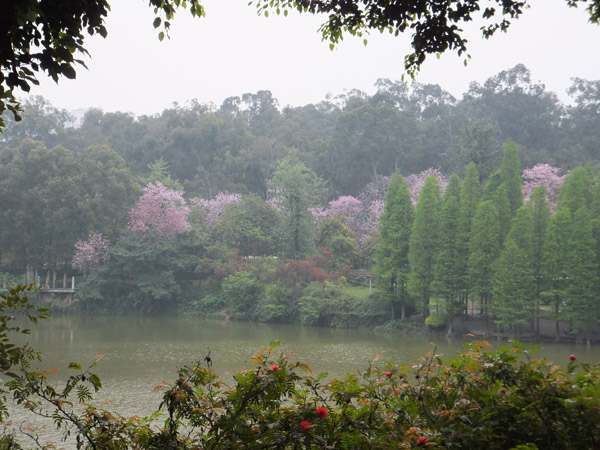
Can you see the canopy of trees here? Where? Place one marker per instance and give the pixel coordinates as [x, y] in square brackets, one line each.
[242, 187]
[48, 36]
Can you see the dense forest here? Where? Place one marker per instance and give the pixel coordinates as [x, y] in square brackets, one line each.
[267, 212]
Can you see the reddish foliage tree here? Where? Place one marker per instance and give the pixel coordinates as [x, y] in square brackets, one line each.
[316, 268]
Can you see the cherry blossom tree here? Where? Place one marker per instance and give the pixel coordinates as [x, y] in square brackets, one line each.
[370, 222]
[416, 181]
[90, 254]
[374, 191]
[346, 206]
[361, 218]
[160, 209]
[216, 206]
[543, 175]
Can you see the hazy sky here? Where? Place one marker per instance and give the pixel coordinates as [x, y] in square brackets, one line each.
[232, 51]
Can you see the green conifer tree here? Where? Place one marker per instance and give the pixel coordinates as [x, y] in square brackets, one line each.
[447, 283]
[496, 192]
[540, 210]
[582, 302]
[470, 196]
[510, 170]
[513, 284]
[391, 254]
[577, 189]
[424, 242]
[556, 264]
[484, 247]
[299, 188]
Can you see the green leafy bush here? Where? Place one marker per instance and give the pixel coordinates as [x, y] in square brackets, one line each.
[241, 292]
[436, 320]
[277, 305]
[504, 399]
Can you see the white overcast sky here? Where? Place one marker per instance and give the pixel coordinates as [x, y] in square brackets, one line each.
[232, 51]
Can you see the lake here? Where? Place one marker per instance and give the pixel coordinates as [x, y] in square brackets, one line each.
[143, 351]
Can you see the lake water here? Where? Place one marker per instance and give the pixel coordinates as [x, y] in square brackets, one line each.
[141, 352]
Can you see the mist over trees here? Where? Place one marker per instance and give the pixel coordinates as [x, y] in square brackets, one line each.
[284, 204]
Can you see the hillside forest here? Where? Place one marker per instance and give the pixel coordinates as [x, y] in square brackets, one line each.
[486, 206]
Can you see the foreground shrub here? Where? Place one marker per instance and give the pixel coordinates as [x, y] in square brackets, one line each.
[503, 399]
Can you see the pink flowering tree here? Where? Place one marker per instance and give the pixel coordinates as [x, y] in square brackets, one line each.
[90, 254]
[215, 207]
[543, 175]
[347, 208]
[160, 209]
[370, 223]
[374, 191]
[361, 218]
[416, 181]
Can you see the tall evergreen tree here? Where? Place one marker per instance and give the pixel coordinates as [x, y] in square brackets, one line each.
[447, 283]
[510, 169]
[391, 254]
[540, 211]
[496, 192]
[577, 189]
[470, 196]
[513, 283]
[582, 303]
[299, 189]
[556, 264]
[424, 242]
[484, 247]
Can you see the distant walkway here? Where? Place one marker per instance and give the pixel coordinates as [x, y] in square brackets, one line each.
[46, 289]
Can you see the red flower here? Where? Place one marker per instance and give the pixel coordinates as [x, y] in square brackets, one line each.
[421, 441]
[396, 392]
[321, 412]
[305, 426]
[503, 391]
[274, 367]
[388, 374]
[572, 357]
[255, 430]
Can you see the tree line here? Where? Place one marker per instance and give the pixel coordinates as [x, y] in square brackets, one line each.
[489, 251]
[153, 209]
[346, 140]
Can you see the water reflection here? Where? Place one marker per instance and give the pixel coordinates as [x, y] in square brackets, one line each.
[143, 351]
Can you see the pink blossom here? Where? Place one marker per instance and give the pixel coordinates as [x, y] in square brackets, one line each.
[160, 209]
[374, 191]
[318, 214]
[416, 181]
[90, 254]
[370, 223]
[346, 206]
[215, 207]
[543, 175]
